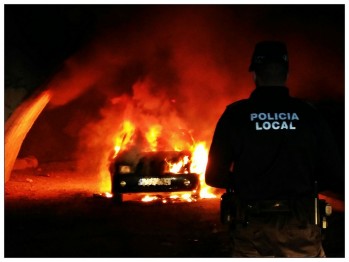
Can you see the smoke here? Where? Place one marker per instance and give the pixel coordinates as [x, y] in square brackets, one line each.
[179, 66]
[208, 46]
[176, 51]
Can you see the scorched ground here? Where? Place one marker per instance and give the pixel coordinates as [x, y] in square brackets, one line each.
[52, 212]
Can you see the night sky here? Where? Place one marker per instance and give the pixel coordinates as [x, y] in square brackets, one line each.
[39, 38]
[195, 56]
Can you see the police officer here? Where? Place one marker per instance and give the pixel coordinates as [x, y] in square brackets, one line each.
[271, 149]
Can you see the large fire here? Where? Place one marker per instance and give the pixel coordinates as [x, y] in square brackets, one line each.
[125, 138]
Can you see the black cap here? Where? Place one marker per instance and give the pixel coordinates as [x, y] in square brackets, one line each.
[269, 51]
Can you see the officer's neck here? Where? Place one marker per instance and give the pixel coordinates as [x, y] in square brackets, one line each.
[269, 83]
[260, 82]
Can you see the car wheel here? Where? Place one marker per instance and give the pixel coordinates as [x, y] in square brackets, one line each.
[195, 196]
[117, 198]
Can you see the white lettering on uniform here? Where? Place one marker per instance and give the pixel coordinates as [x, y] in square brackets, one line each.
[294, 116]
[266, 125]
[275, 125]
[284, 125]
[262, 116]
[263, 120]
[282, 116]
[258, 127]
[253, 116]
[272, 116]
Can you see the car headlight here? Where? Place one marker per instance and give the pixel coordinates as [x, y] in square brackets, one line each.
[124, 169]
[186, 182]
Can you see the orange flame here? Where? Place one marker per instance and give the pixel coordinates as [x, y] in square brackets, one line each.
[123, 138]
[152, 136]
[178, 166]
[198, 161]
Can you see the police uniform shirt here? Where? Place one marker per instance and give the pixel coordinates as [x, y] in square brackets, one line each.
[272, 146]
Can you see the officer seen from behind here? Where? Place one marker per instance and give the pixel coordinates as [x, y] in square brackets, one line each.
[274, 152]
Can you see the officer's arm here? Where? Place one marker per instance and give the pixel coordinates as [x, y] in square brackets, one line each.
[220, 155]
[330, 171]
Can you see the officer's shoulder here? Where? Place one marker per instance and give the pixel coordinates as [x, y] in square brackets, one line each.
[304, 104]
[240, 104]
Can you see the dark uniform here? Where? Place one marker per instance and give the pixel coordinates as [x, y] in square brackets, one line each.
[270, 149]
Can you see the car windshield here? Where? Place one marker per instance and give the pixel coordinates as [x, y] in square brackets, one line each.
[156, 163]
[164, 162]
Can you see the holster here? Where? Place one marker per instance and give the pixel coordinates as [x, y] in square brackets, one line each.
[267, 206]
[237, 211]
[228, 208]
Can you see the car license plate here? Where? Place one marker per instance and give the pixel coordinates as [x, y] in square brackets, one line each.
[154, 181]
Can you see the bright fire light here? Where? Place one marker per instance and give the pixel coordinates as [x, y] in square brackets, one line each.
[152, 136]
[198, 160]
[124, 136]
[148, 198]
[177, 166]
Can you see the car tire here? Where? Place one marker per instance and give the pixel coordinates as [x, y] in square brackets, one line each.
[195, 196]
[117, 198]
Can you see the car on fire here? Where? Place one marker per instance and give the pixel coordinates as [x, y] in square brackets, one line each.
[135, 171]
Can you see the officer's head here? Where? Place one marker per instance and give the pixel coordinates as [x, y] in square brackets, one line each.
[270, 63]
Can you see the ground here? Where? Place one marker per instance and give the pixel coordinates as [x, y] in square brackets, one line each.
[55, 212]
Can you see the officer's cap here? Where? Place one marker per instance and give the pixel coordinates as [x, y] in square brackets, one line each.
[269, 51]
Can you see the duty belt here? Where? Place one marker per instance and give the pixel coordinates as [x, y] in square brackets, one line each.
[267, 206]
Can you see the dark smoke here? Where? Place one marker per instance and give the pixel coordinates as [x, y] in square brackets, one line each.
[181, 65]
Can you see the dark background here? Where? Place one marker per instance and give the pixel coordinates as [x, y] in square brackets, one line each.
[40, 39]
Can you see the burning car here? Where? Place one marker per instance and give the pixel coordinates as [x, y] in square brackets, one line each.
[153, 171]
[157, 160]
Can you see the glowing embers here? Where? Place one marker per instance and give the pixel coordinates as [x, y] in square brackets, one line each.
[108, 195]
[148, 198]
[103, 195]
[172, 198]
[205, 192]
[157, 198]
